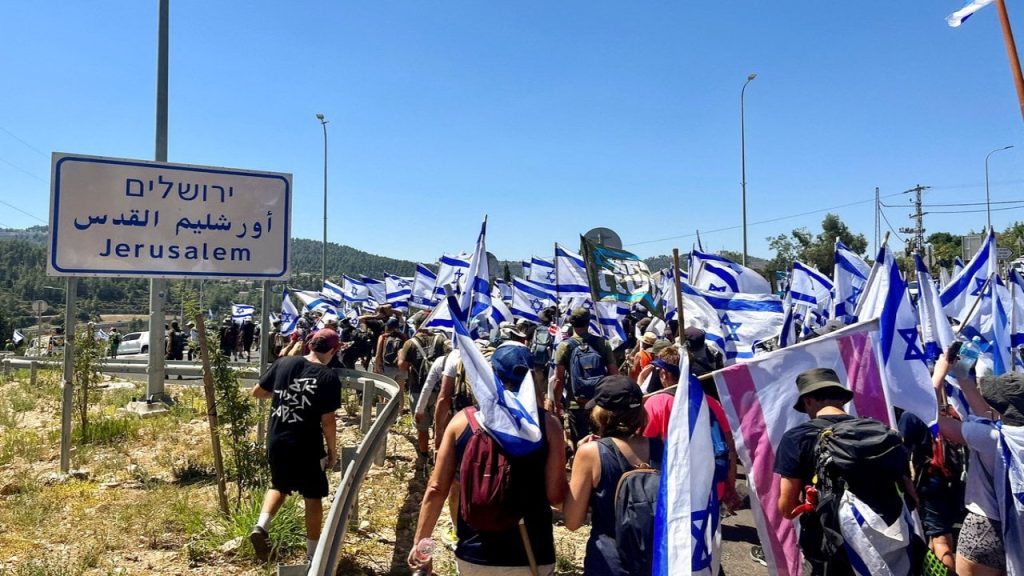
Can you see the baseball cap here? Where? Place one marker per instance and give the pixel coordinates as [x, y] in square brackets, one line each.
[326, 334]
[579, 317]
[618, 392]
[511, 363]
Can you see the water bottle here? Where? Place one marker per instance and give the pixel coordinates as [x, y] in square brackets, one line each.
[969, 352]
[423, 553]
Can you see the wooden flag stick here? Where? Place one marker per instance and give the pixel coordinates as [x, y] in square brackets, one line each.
[1011, 51]
[677, 278]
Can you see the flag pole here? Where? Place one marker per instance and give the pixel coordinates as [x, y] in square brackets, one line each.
[977, 301]
[676, 280]
[1011, 52]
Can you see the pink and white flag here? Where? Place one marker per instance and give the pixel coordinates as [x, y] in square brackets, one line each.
[758, 397]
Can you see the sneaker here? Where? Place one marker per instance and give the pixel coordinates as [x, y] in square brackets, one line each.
[260, 543]
[757, 555]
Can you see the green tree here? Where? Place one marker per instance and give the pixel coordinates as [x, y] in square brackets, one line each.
[945, 248]
[816, 250]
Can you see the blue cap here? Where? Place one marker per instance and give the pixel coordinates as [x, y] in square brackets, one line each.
[511, 363]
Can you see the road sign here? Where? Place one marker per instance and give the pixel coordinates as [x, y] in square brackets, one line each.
[39, 306]
[1004, 253]
[116, 217]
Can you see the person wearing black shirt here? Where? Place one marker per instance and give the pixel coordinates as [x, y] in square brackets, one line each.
[822, 397]
[305, 394]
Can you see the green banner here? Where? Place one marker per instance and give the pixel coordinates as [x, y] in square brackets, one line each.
[618, 276]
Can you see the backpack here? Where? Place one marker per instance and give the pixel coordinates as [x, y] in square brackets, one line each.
[177, 342]
[586, 368]
[641, 359]
[420, 368]
[636, 500]
[857, 452]
[721, 450]
[462, 396]
[540, 346]
[487, 499]
[392, 344]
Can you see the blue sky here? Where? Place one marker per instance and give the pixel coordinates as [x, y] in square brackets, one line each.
[552, 117]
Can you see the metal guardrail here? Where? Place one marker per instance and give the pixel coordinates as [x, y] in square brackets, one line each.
[129, 366]
[373, 386]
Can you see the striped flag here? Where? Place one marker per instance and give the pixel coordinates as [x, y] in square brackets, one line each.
[687, 539]
[333, 292]
[376, 289]
[758, 397]
[398, 291]
[354, 290]
[423, 288]
[850, 274]
[289, 315]
[529, 298]
[936, 332]
[452, 270]
[965, 287]
[570, 278]
[240, 312]
[541, 270]
[17, 337]
[960, 16]
[716, 273]
[315, 302]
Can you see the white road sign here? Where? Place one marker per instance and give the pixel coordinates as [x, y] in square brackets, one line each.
[116, 217]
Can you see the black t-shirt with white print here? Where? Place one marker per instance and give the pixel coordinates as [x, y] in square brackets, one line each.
[303, 392]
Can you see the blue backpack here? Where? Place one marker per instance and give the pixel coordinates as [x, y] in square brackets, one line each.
[586, 368]
[721, 449]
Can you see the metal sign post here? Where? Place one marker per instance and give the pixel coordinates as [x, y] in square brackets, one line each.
[67, 383]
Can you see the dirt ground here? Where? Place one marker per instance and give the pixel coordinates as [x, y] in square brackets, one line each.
[142, 498]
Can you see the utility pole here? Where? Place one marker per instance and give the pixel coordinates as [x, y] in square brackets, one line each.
[878, 220]
[918, 216]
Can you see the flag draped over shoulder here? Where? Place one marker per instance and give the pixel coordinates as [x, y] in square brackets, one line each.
[618, 276]
[423, 288]
[758, 398]
[1009, 488]
[289, 315]
[686, 523]
[512, 419]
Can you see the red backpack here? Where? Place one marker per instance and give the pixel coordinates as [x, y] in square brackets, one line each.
[487, 501]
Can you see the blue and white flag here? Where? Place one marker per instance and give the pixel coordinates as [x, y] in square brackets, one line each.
[542, 271]
[376, 288]
[451, 271]
[502, 290]
[609, 316]
[500, 312]
[990, 323]
[240, 312]
[715, 273]
[811, 288]
[788, 335]
[529, 298]
[958, 266]
[209, 314]
[102, 335]
[353, 290]
[512, 419]
[333, 292]
[877, 546]
[687, 539]
[935, 328]
[423, 288]
[1016, 287]
[526, 269]
[1009, 489]
[476, 297]
[17, 337]
[734, 323]
[850, 275]
[315, 302]
[571, 278]
[397, 291]
[905, 373]
[960, 16]
[289, 314]
[965, 287]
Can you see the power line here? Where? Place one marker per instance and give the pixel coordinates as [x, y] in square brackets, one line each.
[973, 211]
[13, 207]
[27, 145]
[22, 170]
[893, 230]
[945, 205]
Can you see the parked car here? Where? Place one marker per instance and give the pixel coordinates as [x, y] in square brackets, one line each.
[134, 343]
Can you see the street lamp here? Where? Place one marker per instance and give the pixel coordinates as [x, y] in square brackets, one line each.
[743, 164]
[323, 256]
[988, 199]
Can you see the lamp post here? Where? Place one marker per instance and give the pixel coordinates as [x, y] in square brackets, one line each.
[988, 199]
[323, 257]
[743, 164]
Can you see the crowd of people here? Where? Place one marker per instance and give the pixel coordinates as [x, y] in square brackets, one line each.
[604, 420]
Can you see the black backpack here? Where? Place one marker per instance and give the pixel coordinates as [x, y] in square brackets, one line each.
[636, 501]
[540, 346]
[424, 358]
[392, 345]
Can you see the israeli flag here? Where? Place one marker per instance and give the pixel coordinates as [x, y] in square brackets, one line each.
[17, 337]
[570, 277]
[315, 302]
[990, 323]
[502, 290]
[511, 419]
[715, 273]
[668, 291]
[397, 291]
[423, 288]
[733, 323]
[609, 316]
[333, 292]
[687, 536]
[476, 297]
[944, 278]
[240, 312]
[542, 271]
[500, 312]
[810, 287]
[850, 275]
[376, 288]
[905, 372]
[935, 328]
[289, 315]
[958, 266]
[529, 298]
[451, 271]
[958, 298]
[960, 16]
[354, 290]
[788, 335]
[526, 269]
[1009, 489]
[1016, 304]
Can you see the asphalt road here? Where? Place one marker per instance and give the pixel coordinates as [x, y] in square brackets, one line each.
[738, 535]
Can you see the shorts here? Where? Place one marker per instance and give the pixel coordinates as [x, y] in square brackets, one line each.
[941, 506]
[470, 569]
[427, 422]
[981, 542]
[293, 470]
[579, 424]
